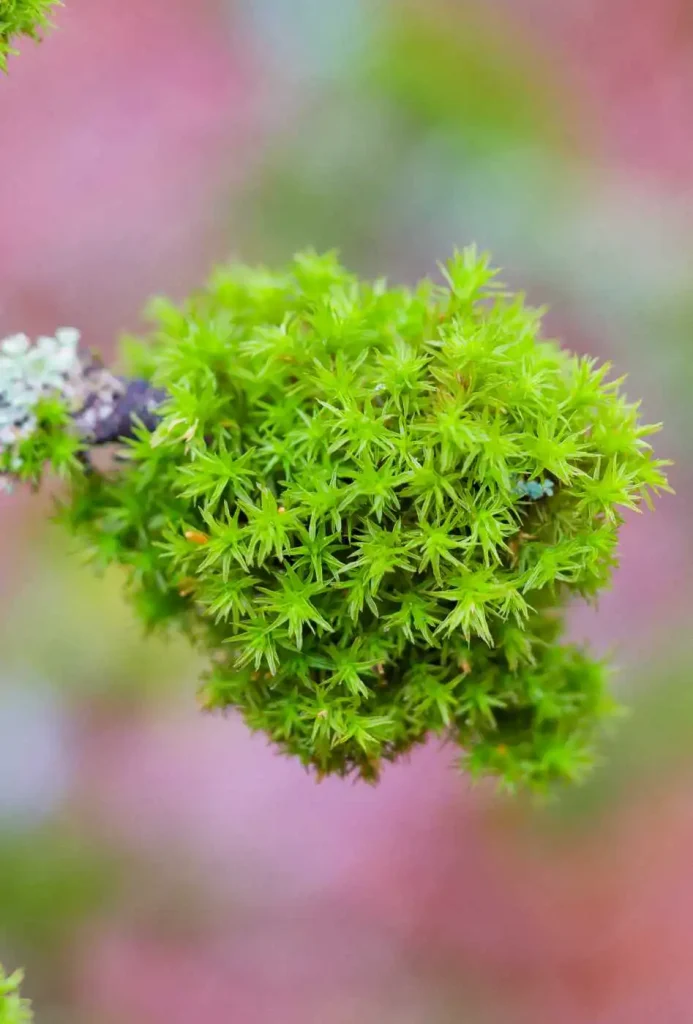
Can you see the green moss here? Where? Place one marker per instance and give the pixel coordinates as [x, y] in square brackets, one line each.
[370, 505]
[13, 1009]
[22, 18]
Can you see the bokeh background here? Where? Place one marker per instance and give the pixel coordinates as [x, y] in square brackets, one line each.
[159, 866]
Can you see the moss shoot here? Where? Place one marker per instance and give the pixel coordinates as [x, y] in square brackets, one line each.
[27, 18]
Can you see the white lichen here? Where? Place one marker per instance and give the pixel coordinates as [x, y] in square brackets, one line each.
[29, 373]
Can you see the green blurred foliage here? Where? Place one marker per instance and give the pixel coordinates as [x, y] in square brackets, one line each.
[651, 747]
[73, 630]
[464, 70]
[460, 83]
[53, 882]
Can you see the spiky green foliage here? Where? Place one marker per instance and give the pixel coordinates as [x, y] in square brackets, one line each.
[370, 505]
[13, 1009]
[22, 18]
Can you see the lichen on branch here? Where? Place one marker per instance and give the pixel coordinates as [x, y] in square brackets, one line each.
[370, 505]
[57, 402]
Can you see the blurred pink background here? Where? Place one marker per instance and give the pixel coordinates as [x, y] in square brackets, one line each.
[144, 141]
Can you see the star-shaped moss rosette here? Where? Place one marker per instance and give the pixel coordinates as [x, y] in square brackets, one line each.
[370, 506]
[28, 18]
[13, 1009]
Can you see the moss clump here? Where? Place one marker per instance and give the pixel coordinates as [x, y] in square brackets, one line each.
[370, 504]
[22, 18]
